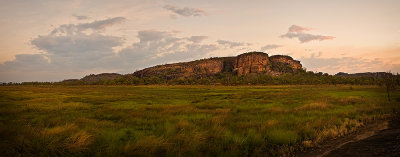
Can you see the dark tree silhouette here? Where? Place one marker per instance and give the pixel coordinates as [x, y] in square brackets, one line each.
[390, 83]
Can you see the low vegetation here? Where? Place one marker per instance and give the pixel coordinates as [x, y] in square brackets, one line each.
[300, 77]
[50, 120]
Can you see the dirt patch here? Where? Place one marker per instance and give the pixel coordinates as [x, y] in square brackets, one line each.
[381, 138]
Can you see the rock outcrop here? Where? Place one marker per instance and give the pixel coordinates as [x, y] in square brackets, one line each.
[286, 60]
[254, 62]
[244, 64]
[204, 67]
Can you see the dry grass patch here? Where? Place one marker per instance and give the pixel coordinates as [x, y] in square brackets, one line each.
[346, 127]
[268, 124]
[313, 106]
[351, 100]
[78, 141]
[59, 130]
[148, 146]
[276, 110]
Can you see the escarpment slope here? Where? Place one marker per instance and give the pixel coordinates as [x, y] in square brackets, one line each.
[243, 64]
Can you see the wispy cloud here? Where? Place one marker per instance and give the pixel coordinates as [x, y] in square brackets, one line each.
[197, 39]
[298, 32]
[270, 47]
[185, 11]
[296, 28]
[81, 17]
[232, 44]
[97, 25]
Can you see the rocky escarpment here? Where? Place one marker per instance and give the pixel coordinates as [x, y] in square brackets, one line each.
[204, 67]
[244, 64]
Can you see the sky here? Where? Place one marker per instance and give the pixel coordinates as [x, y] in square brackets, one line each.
[53, 40]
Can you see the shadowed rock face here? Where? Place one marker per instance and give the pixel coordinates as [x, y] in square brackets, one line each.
[247, 63]
[204, 67]
[286, 60]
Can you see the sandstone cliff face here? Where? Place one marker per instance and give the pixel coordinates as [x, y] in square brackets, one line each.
[255, 62]
[247, 63]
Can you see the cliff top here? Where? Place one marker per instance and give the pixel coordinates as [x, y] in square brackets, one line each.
[281, 56]
[253, 53]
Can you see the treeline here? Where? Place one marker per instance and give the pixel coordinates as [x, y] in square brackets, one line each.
[309, 78]
[298, 78]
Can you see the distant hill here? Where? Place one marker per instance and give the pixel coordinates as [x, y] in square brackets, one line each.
[100, 77]
[366, 74]
[94, 78]
[244, 64]
[246, 68]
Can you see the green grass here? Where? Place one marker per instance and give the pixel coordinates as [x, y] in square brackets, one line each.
[182, 120]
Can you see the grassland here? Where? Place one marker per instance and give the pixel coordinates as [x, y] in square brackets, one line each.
[182, 120]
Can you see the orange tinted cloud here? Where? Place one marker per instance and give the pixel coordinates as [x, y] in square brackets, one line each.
[185, 11]
[298, 32]
[295, 28]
